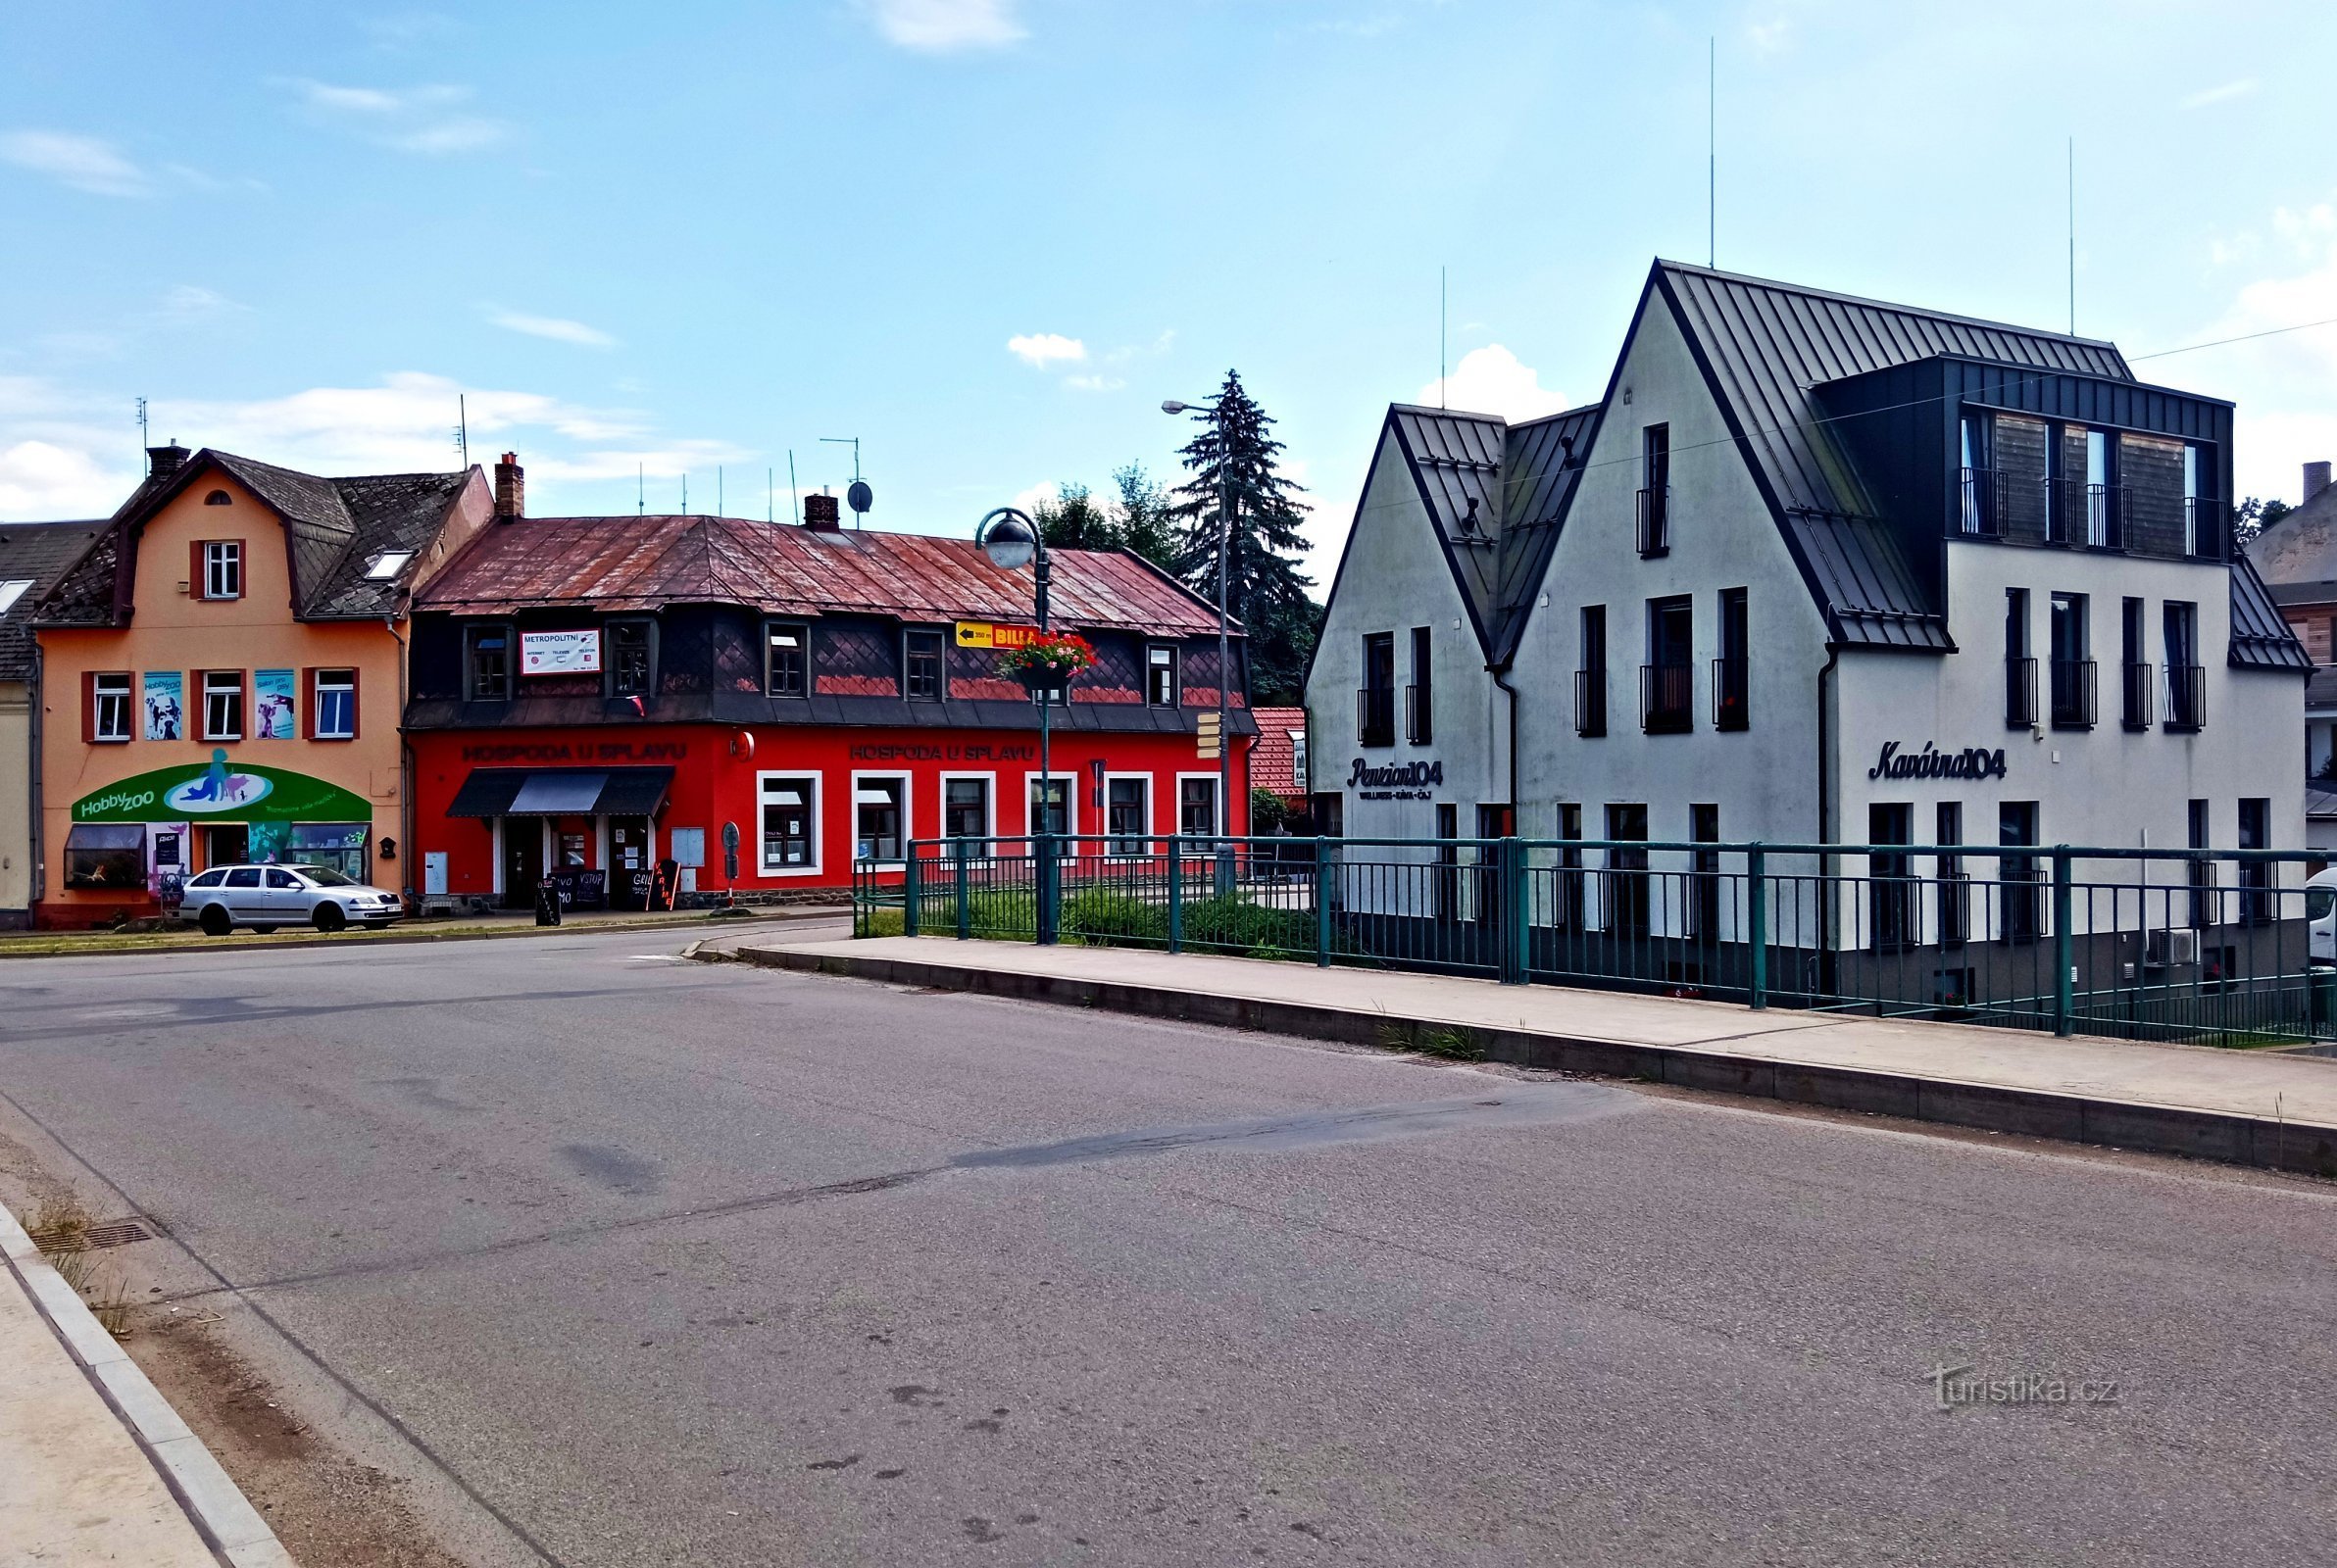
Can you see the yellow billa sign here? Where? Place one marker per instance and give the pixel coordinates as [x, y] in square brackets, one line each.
[995, 634]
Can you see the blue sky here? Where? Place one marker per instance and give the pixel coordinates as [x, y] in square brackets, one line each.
[990, 236]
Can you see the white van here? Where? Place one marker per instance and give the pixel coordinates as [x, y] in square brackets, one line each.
[2320, 916]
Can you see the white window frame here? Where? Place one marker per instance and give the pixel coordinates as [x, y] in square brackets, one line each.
[1215, 793]
[10, 591]
[242, 701]
[316, 691]
[819, 782]
[1152, 817]
[1070, 804]
[908, 811]
[128, 695]
[989, 833]
[223, 558]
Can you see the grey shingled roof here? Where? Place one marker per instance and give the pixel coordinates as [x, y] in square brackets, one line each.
[41, 553]
[2301, 547]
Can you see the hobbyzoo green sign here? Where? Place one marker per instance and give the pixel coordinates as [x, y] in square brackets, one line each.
[239, 791]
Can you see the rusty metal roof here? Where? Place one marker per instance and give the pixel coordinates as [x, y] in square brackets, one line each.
[646, 563]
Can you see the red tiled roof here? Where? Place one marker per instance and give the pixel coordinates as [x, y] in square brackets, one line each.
[1273, 765]
[618, 564]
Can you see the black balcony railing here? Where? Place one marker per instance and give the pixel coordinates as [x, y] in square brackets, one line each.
[1891, 893]
[2206, 524]
[2081, 514]
[1419, 722]
[1732, 693]
[1954, 907]
[1375, 716]
[1666, 699]
[1980, 506]
[2186, 697]
[1654, 521]
[1590, 702]
[2020, 896]
[2020, 691]
[2134, 686]
[2073, 694]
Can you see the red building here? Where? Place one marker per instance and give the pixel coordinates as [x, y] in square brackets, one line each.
[591, 695]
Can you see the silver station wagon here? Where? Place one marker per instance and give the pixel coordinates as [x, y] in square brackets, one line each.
[266, 897]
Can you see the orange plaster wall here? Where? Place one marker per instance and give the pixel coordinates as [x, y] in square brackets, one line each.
[173, 630]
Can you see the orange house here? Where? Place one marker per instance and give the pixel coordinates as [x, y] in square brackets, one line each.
[222, 671]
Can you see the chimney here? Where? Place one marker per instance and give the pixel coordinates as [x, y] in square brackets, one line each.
[511, 488]
[820, 515]
[2317, 479]
[163, 462]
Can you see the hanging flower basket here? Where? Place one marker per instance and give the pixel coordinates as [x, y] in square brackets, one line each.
[1050, 661]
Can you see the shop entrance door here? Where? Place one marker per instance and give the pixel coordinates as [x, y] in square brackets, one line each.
[628, 863]
[522, 861]
[225, 843]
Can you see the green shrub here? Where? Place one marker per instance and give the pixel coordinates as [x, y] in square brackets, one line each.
[1099, 915]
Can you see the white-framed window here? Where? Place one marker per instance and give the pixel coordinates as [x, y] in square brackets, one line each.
[788, 807]
[333, 704]
[108, 706]
[1062, 812]
[223, 704]
[881, 826]
[1128, 812]
[787, 664]
[969, 808]
[1161, 688]
[223, 568]
[1197, 805]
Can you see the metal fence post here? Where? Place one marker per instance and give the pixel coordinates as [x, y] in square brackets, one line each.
[1177, 894]
[1322, 910]
[1758, 915]
[2064, 947]
[910, 891]
[1049, 889]
[964, 847]
[1517, 930]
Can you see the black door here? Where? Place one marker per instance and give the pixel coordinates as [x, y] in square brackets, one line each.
[225, 843]
[522, 861]
[628, 863]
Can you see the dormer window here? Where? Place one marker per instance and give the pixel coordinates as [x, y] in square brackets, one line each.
[219, 498]
[632, 657]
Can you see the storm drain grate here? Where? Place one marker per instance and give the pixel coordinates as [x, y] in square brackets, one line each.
[93, 1238]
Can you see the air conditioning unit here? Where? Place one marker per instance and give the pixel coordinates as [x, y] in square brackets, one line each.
[2174, 949]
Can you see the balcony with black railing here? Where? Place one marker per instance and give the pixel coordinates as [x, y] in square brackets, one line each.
[2073, 694]
[2134, 689]
[1654, 521]
[1418, 721]
[2207, 524]
[1732, 693]
[2020, 692]
[1980, 504]
[2078, 514]
[2186, 698]
[1590, 703]
[1375, 716]
[1666, 699]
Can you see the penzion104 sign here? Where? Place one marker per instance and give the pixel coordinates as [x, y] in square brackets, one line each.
[1975, 761]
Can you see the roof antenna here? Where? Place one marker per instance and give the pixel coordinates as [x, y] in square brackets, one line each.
[1711, 151]
[718, 489]
[770, 496]
[860, 494]
[142, 438]
[685, 492]
[463, 428]
[2072, 236]
[1440, 348]
[640, 489]
[794, 498]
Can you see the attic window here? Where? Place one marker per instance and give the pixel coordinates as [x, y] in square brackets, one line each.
[10, 591]
[219, 498]
[388, 565]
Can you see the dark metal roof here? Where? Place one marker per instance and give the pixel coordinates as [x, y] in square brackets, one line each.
[619, 563]
[2260, 638]
[39, 553]
[2298, 593]
[333, 529]
[1765, 347]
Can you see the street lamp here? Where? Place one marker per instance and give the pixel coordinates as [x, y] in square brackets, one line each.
[1012, 541]
[1217, 412]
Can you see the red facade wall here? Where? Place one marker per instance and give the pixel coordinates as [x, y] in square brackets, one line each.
[716, 780]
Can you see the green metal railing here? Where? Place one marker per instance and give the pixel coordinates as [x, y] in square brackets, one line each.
[2225, 946]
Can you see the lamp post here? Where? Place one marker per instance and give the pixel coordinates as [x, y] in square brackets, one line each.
[1011, 541]
[1216, 413]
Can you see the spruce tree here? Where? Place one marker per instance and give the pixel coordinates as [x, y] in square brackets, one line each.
[1265, 589]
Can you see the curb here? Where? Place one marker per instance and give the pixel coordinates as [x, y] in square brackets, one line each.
[221, 1513]
[2227, 1136]
[396, 936]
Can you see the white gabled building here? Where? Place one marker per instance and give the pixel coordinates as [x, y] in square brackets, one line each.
[1813, 569]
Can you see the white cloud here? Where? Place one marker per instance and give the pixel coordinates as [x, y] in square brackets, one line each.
[2219, 95]
[189, 302]
[940, 27]
[1490, 380]
[424, 118]
[42, 479]
[84, 163]
[2285, 385]
[558, 328]
[1769, 35]
[1037, 495]
[1094, 383]
[1042, 349]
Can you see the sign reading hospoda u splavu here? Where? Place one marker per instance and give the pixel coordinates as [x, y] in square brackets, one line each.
[239, 791]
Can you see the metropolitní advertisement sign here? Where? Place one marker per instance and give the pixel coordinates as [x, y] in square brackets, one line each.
[239, 791]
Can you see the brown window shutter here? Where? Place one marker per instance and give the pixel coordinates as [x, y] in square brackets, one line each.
[89, 706]
[306, 697]
[195, 570]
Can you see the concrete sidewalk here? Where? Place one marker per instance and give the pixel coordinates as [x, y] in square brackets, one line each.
[96, 1467]
[2248, 1107]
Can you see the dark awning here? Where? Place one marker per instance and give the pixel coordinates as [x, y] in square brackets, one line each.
[562, 792]
[105, 836]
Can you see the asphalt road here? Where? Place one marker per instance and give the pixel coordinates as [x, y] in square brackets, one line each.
[662, 1263]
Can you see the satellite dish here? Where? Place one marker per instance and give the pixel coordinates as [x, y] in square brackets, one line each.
[860, 496]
